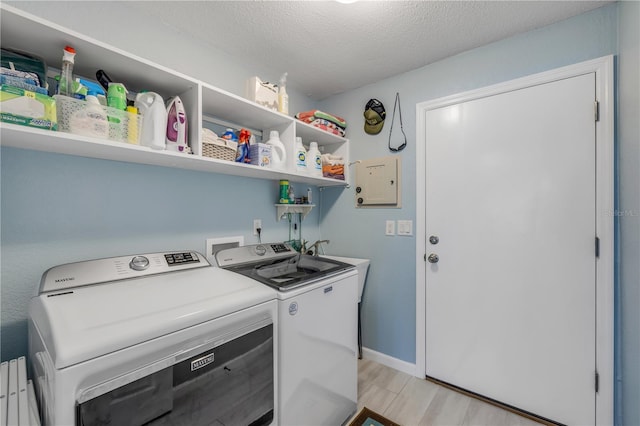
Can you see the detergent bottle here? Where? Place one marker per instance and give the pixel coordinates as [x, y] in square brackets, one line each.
[154, 120]
[176, 126]
[301, 156]
[278, 152]
[314, 162]
[244, 148]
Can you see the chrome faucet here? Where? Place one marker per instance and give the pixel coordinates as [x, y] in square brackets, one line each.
[313, 249]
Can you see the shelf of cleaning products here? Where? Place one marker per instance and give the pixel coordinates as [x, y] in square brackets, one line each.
[283, 209]
[29, 33]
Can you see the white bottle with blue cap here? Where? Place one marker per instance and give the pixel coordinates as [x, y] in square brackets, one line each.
[301, 156]
[314, 160]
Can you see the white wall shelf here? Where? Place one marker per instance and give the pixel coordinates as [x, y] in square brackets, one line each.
[22, 31]
[283, 209]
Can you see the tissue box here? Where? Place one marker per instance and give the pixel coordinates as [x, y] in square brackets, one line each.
[265, 94]
[260, 154]
[27, 108]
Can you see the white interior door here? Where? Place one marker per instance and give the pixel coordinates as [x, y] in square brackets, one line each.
[510, 194]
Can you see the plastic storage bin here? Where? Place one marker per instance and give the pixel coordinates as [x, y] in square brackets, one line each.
[87, 119]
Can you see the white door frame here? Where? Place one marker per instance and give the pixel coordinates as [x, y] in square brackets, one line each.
[604, 90]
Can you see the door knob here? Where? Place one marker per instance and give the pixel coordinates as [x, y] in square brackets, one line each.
[434, 239]
[433, 258]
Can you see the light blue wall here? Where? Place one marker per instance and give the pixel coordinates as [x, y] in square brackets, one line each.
[628, 338]
[58, 208]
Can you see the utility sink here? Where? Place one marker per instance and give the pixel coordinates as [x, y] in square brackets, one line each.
[362, 266]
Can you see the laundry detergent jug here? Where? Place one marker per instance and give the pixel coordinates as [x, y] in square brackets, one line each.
[278, 152]
[154, 119]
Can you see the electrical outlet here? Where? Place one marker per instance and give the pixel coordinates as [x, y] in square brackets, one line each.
[391, 228]
[257, 223]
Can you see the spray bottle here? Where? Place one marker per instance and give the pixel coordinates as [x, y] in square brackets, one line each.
[65, 87]
[283, 98]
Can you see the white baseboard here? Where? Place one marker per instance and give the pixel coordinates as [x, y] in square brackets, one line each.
[389, 361]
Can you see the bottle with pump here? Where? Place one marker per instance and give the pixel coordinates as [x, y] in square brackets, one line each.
[314, 162]
[283, 98]
[301, 156]
[65, 86]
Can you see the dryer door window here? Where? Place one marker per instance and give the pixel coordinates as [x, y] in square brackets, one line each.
[229, 384]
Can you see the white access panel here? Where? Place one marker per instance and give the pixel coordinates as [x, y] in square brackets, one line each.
[378, 182]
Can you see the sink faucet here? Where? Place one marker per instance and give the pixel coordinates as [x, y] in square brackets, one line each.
[313, 249]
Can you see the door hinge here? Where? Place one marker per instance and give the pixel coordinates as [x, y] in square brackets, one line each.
[425, 257]
[597, 247]
[596, 106]
[597, 381]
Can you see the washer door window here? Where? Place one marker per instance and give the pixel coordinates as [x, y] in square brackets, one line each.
[229, 384]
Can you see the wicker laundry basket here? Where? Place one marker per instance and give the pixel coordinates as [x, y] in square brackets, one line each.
[215, 147]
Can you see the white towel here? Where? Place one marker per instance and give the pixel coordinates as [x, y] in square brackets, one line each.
[332, 160]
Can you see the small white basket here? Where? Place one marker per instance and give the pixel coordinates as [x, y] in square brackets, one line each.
[83, 118]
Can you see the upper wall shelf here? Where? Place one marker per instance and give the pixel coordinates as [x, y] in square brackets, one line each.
[22, 31]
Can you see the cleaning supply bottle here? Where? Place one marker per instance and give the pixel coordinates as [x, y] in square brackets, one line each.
[117, 96]
[65, 86]
[301, 156]
[176, 126]
[154, 119]
[132, 125]
[314, 162]
[283, 98]
[243, 154]
[278, 152]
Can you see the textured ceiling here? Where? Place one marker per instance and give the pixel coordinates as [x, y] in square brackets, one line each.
[329, 47]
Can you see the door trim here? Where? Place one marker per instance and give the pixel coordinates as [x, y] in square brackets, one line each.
[603, 69]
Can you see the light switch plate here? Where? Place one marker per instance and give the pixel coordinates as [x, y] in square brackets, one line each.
[390, 228]
[405, 227]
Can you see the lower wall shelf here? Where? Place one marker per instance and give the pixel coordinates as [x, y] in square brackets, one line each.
[283, 209]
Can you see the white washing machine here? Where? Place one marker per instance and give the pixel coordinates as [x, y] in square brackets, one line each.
[157, 339]
[317, 330]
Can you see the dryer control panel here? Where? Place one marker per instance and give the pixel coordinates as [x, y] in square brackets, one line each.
[98, 271]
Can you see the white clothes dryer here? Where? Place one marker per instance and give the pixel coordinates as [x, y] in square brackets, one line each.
[156, 339]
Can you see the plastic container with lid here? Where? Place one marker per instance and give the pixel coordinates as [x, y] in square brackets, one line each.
[154, 120]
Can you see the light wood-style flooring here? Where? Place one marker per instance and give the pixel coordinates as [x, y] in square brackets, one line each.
[410, 401]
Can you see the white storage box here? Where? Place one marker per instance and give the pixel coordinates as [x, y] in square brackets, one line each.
[260, 154]
[265, 94]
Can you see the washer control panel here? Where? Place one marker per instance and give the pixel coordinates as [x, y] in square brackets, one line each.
[71, 275]
[253, 253]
